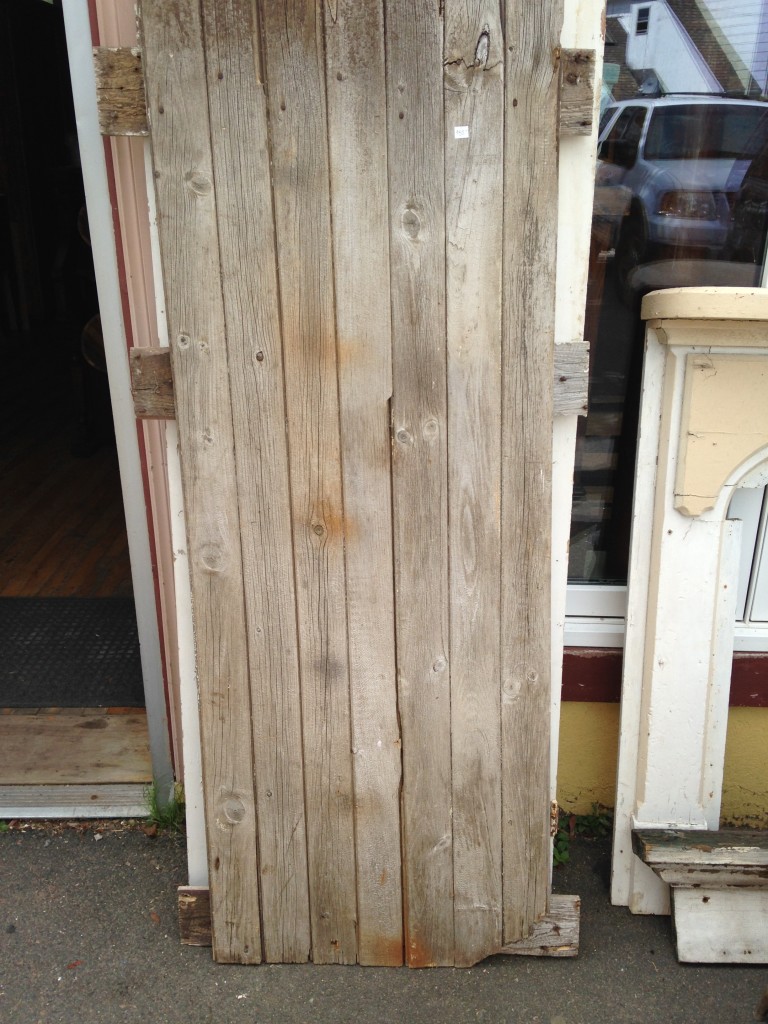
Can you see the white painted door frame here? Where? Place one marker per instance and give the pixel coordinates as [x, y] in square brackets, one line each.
[79, 46]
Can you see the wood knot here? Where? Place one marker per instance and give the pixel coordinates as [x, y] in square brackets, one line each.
[212, 558]
[431, 429]
[511, 687]
[198, 183]
[483, 47]
[233, 809]
[411, 223]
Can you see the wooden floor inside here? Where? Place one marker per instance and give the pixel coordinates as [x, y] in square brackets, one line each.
[62, 525]
[71, 746]
[62, 534]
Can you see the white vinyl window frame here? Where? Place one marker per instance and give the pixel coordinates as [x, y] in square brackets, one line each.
[595, 613]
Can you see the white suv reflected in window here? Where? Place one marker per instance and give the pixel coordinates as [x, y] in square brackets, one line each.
[676, 158]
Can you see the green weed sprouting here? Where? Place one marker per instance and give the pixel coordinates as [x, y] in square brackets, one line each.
[583, 826]
[169, 817]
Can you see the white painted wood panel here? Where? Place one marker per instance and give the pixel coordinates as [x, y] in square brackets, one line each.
[716, 926]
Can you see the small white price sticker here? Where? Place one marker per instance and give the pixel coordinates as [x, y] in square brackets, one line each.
[461, 131]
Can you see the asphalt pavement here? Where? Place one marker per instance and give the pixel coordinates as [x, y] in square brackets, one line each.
[88, 933]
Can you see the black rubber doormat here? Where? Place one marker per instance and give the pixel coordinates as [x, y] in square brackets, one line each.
[69, 652]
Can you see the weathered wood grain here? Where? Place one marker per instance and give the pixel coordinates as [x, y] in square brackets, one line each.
[177, 99]
[420, 485]
[571, 379]
[152, 381]
[556, 934]
[530, 229]
[194, 915]
[719, 926]
[249, 280]
[701, 848]
[719, 883]
[152, 384]
[89, 747]
[362, 320]
[120, 92]
[294, 66]
[354, 46]
[474, 152]
[577, 91]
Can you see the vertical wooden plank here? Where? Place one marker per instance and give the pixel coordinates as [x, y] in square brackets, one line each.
[249, 281]
[178, 111]
[357, 131]
[474, 137]
[530, 226]
[420, 486]
[294, 62]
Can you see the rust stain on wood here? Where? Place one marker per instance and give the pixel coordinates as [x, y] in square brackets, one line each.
[384, 951]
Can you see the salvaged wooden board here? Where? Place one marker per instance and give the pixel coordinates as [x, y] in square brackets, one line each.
[152, 381]
[528, 309]
[577, 91]
[120, 91]
[194, 915]
[556, 935]
[122, 108]
[360, 294]
[717, 926]
[719, 886]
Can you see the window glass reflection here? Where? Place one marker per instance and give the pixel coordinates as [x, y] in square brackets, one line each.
[681, 198]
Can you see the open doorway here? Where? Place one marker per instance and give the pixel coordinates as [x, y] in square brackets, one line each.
[71, 691]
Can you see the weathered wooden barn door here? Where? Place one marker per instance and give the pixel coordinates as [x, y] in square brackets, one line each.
[357, 205]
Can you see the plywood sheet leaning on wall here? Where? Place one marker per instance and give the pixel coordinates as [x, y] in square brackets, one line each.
[356, 205]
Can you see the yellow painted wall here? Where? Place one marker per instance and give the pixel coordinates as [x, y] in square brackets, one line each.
[589, 739]
[589, 742]
[745, 780]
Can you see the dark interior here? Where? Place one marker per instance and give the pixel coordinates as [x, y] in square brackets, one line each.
[62, 525]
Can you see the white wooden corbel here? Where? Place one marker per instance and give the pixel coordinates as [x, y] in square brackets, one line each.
[703, 426]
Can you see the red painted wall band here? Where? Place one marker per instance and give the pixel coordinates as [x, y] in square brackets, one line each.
[594, 674]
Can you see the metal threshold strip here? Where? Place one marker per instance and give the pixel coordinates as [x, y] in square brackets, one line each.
[124, 800]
